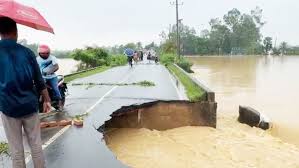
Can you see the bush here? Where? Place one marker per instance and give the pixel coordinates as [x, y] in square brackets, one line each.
[91, 57]
[182, 62]
[117, 60]
[168, 59]
[185, 64]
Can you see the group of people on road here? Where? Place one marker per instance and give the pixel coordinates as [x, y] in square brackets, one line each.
[138, 56]
[23, 77]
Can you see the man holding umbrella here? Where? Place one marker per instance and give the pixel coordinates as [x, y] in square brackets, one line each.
[129, 53]
[20, 82]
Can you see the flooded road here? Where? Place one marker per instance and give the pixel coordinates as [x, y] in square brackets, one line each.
[268, 84]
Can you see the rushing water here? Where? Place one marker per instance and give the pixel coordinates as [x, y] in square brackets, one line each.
[269, 84]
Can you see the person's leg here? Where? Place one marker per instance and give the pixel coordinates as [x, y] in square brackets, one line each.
[13, 131]
[54, 85]
[32, 130]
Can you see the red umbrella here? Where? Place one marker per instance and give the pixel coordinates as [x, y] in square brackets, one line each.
[24, 15]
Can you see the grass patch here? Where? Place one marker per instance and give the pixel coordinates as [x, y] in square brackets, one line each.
[87, 73]
[81, 116]
[194, 92]
[141, 83]
[145, 83]
[4, 148]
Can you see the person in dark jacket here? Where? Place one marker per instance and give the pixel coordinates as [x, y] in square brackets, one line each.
[20, 84]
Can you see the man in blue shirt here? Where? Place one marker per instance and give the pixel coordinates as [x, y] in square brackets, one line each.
[20, 83]
[48, 65]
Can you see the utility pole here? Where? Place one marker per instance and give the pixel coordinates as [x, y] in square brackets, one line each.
[176, 3]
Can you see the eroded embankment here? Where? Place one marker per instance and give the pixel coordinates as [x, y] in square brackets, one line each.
[230, 145]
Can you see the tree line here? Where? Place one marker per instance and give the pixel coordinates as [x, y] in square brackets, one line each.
[235, 33]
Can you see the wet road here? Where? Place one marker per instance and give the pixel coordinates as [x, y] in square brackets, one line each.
[82, 147]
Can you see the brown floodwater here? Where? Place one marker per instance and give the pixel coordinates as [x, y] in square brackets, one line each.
[269, 84]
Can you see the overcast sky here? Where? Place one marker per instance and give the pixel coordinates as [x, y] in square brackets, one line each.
[79, 23]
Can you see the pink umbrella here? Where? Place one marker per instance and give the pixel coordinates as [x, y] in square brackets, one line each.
[24, 15]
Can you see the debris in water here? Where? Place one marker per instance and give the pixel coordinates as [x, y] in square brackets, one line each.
[253, 118]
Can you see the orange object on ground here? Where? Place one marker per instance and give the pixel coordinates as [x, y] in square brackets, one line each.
[65, 122]
[44, 124]
[78, 123]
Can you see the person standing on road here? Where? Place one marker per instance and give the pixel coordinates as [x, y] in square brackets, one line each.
[149, 57]
[20, 82]
[141, 55]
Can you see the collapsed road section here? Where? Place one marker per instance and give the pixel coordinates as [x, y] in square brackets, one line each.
[163, 115]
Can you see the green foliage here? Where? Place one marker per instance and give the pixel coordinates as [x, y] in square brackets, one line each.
[267, 44]
[117, 60]
[4, 148]
[283, 48]
[152, 46]
[56, 53]
[167, 58]
[235, 33]
[168, 47]
[91, 57]
[184, 64]
[119, 49]
[193, 91]
[61, 53]
[146, 83]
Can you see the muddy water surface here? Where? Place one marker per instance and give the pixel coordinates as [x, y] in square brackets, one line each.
[232, 145]
[269, 84]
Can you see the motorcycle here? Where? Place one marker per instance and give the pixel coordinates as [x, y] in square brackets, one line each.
[62, 86]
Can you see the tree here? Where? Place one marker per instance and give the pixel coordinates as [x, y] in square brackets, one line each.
[235, 33]
[283, 47]
[152, 46]
[91, 57]
[139, 46]
[131, 45]
[267, 44]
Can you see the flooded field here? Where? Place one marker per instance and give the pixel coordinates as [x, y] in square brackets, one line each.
[266, 83]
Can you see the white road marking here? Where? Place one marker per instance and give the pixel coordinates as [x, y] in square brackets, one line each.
[64, 129]
[50, 141]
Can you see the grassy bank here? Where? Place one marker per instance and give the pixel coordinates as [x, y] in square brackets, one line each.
[87, 73]
[193, 91]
